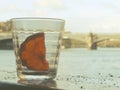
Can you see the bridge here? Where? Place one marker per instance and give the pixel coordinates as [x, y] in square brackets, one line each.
[6, 41]
[92, 40]
[4, 36]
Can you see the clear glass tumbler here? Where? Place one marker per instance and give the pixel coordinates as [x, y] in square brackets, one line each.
[37, 43]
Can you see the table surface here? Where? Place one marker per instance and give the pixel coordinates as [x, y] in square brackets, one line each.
[8, 76]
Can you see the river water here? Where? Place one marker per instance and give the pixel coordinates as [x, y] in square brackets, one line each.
[81, 60]
[101, 66]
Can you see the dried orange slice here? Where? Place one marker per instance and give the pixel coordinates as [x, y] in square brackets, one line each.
[32, 52]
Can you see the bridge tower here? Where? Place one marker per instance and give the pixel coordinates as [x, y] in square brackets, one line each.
[91, 41]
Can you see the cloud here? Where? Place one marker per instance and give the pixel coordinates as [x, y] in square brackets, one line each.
[10, 8]
[48, 8]
[51, 4]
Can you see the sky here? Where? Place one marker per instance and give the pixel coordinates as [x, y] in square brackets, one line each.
[98, 16]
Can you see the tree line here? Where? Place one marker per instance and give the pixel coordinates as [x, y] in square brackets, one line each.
[5, 26]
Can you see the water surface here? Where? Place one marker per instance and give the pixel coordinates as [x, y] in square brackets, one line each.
[78, 68]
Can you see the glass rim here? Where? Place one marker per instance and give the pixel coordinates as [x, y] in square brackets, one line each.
[37, 18]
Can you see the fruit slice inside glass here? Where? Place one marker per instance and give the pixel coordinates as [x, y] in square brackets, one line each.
[32, 53]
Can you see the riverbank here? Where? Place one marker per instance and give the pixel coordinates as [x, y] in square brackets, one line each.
[72, 40]
[81, 40]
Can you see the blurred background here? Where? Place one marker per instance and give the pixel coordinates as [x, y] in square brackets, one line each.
[89, 23]
[91, 41]
[101, 16]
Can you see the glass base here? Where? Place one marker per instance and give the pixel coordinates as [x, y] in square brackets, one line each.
[39, 83]
[36, 75]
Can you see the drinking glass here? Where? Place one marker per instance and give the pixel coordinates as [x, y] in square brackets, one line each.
[37, 43]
